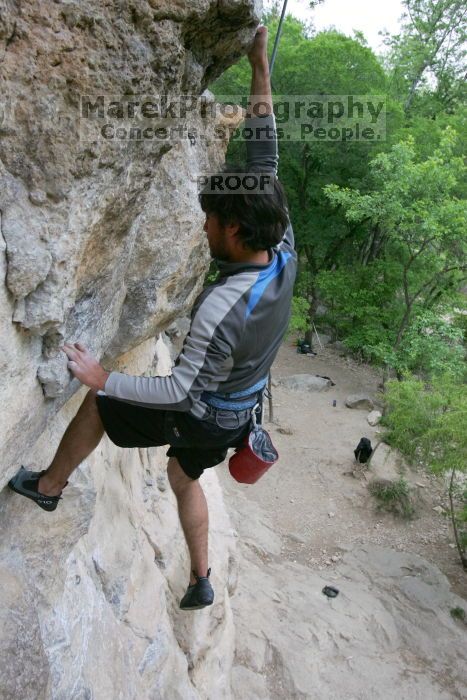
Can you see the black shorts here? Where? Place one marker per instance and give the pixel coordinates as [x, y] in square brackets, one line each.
[197, 444]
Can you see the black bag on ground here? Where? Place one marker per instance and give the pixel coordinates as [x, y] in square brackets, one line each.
[363, 451]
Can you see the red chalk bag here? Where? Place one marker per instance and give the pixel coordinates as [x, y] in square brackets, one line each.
[254, 456]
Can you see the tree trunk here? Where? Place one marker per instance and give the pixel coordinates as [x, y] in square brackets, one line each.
[402, 327]
[460, 549]
[311, 313]
[311, 294]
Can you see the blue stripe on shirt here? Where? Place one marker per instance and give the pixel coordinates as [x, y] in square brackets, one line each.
[265, 277]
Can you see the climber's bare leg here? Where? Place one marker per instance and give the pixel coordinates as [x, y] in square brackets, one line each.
[193, 513]
[80, 438]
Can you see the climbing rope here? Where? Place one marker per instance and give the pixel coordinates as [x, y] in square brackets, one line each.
[271, 68]
[277, 39]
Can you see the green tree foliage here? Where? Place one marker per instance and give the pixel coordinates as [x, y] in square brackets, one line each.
[430, 49]
[432, 346]
[427, 422]
[298, 319]
[427, 131]
[412, 258]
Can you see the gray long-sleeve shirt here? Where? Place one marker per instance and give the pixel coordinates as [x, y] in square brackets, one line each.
[237, 323]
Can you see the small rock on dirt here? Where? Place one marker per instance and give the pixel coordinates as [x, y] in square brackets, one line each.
[361, 401]
[161, 483]
[295, 538]
[374, 417]
[306, 382]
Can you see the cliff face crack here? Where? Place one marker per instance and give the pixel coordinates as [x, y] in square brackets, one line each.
[3, 251]
[12, 37]
[167, 16]
[1, 230]
[158, 556]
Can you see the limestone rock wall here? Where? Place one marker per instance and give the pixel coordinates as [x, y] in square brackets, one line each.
[102, 242]
[90, 592]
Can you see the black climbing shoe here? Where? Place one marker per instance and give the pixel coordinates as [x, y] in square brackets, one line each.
[199, 594]
[25, 483]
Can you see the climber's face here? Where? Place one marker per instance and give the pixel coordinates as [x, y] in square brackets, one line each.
[218, 237]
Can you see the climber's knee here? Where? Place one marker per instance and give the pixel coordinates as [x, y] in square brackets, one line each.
[89, 405]
[178, 480]
[91, 397]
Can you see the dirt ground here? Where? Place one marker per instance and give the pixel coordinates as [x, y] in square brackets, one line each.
[320, 507]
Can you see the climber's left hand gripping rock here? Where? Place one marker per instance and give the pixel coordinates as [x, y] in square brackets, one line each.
[84, 366]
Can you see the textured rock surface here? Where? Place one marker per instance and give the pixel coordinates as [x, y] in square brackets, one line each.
[359, 401]
[386, 464]
[306, 382]
[102, 242]
[372, 641]
[90, 592]
[388, 634]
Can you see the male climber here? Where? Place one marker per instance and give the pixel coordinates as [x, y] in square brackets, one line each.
[237, 324]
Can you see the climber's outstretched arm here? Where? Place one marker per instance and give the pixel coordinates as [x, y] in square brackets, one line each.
[260, 91]
[261, 146]
[261, 141]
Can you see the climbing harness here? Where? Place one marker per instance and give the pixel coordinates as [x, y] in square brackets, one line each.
[236, 400]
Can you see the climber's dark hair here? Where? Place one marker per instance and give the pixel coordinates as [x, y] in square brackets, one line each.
[262, 216]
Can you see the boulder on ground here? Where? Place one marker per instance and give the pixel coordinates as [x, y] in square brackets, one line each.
[386, 464]
[340, 347]
[374, 417]
[305, 382]
[325, 339]
[388, 482]
[361, 401]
